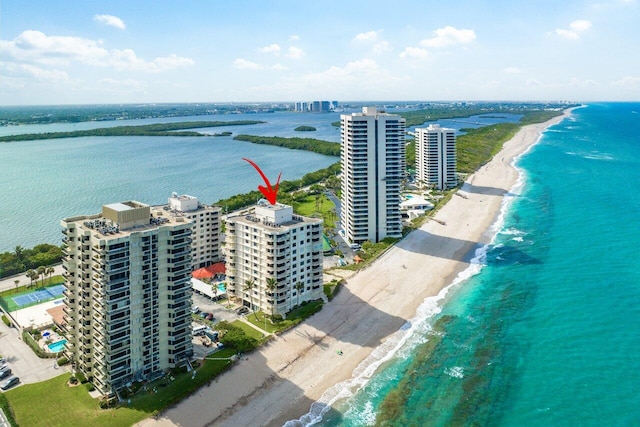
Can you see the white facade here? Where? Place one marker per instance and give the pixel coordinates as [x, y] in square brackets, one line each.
[128, 297]
[373, 166]
[436, 157]
[273, 243]
[205, 245]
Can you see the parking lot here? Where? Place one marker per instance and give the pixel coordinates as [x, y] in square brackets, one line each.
[22, 360]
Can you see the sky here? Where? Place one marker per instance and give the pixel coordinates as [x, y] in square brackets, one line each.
[94, 52]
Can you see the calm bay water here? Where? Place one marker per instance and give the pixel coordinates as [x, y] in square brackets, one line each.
[45, 181]
[543, 328]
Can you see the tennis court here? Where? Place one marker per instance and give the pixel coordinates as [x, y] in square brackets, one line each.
[39, 295]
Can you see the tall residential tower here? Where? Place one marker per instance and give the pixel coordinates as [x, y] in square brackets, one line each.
[128, 297]
[436, 157]
[373, 166]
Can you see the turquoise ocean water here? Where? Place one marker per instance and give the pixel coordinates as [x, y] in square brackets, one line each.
[544, 327]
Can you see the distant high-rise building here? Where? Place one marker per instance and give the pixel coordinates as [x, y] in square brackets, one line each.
[128, 293]
[373, 166]
[205, 236]
[436, 157]
[274, 245]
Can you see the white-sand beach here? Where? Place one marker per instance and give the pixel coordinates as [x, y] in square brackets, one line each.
[280, 381]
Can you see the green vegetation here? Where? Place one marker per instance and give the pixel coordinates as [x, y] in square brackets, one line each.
[8, 412]
[159, 129]
[309, 144]
[331, 289]
[68, 406]
[21, 259]
[238, 336]
[240, 201]
[305, 129]
[277, 325]
[316, 206]
[477, 146]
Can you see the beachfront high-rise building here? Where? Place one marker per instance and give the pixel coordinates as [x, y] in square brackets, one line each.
[373, 166]
[128, 293]
[205, 245]
[436, 157]
[274, 246]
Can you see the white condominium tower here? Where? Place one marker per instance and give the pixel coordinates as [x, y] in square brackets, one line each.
[373, 166]
[274, 258]
[205, 245]
[128, 297]
[436, 157]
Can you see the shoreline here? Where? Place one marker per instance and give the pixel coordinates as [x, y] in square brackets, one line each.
[280, 381]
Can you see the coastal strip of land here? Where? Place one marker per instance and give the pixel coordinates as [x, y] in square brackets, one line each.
[280, 381]
[157, 129]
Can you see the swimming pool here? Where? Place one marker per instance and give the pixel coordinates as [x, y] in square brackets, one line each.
[56, 347]
[222, 287]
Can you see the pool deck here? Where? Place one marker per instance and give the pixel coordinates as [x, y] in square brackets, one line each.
[37, 315]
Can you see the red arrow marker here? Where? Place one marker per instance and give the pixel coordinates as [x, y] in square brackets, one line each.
[270, 193]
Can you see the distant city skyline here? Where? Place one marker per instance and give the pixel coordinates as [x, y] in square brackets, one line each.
[162, 52]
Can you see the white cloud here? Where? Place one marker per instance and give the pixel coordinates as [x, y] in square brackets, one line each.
[512, 70]
[629, 82]
[28, 70]
[36, 47]
[381, 47]
[295, 52]
[243, 64]
[576, 28]
[449, 36]
[110, 20]
[366, 37]
[294, 38]
[534, 82]
[414, 53]
[272, 48]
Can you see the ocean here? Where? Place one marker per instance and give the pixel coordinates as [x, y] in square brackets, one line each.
[543, 328]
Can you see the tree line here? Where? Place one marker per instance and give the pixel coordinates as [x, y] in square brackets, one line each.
[308, 144]
[21, 259]
[158, 129]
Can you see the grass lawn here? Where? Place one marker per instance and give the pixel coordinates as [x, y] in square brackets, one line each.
[248, 330]
[324, 209]
[53, 403]
[293, 318]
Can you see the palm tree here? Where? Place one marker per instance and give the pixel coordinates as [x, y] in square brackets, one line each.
[272, 284]
[248, 287]
[299, 286]
[41, 273]
[31, 274]
[50, 271]
[17, 282]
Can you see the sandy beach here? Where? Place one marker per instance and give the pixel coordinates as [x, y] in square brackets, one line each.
[280, 381]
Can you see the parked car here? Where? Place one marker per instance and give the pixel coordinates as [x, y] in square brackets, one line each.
[9, 383]
[5, 372]
[195, 309]
[209, 317]
[242, 310]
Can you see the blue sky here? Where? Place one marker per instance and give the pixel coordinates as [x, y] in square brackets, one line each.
[80, 52]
